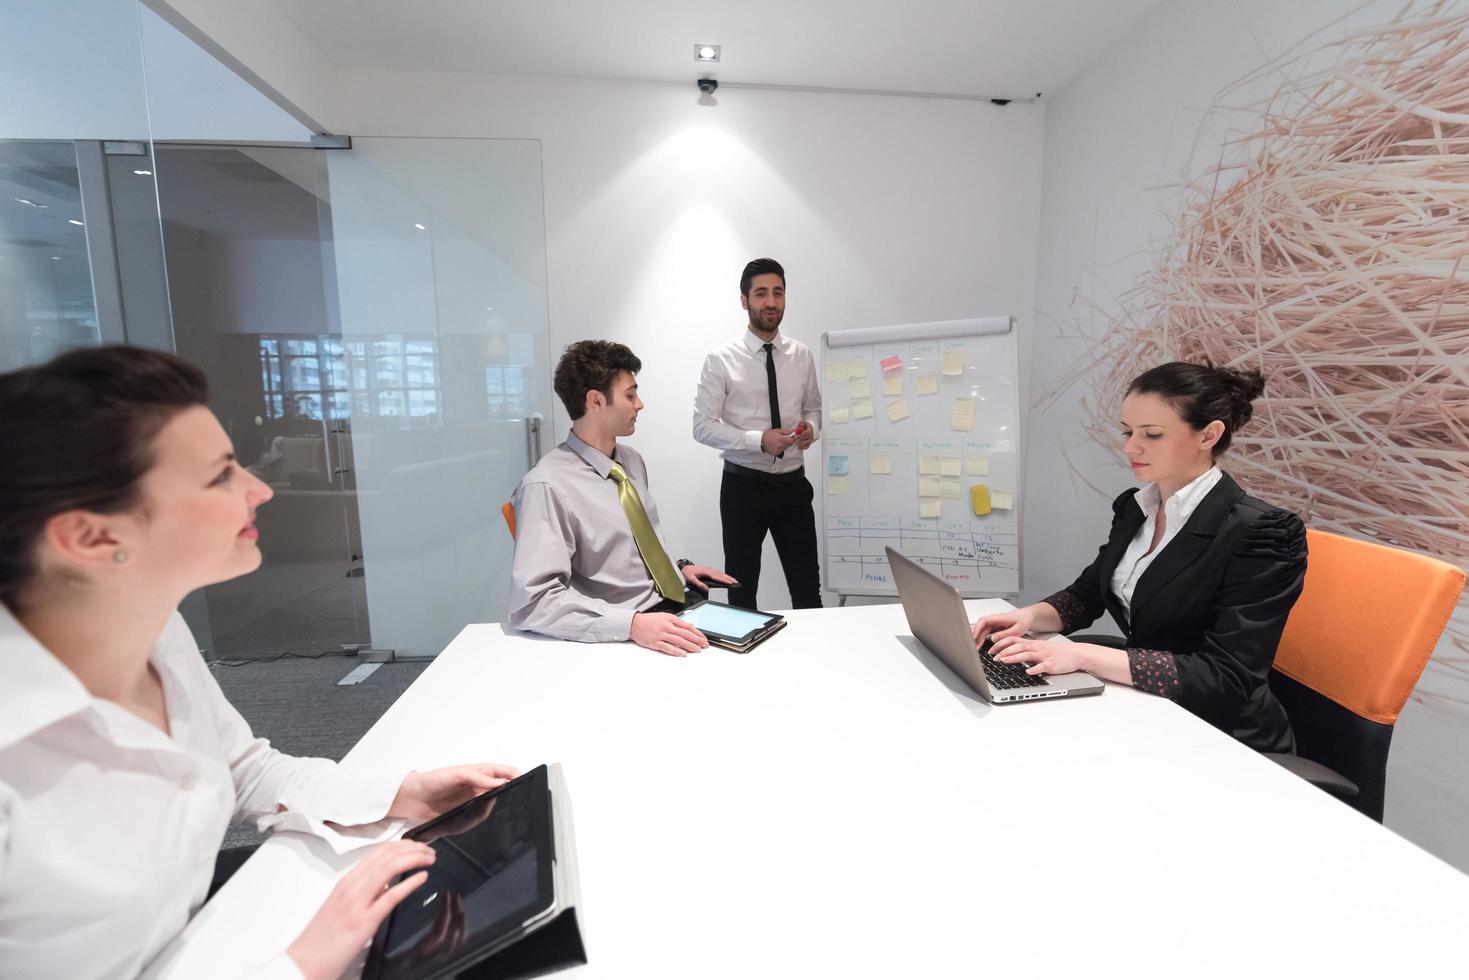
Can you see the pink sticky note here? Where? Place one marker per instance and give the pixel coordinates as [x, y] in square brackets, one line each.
[893, 363]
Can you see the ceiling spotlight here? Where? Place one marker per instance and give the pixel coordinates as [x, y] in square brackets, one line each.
[29, 203]
[143, 173]
[73, 221]
[706, 52]
[419, 226]
[55, 258]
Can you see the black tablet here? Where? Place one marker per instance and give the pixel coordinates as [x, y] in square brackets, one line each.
[491, 879]
[731, 623]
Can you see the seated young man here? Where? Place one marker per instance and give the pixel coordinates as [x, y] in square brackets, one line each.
[589, 564]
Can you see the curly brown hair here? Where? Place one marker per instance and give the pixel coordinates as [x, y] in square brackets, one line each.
[589, 365]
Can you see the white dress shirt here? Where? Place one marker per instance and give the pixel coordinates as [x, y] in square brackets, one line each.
[109, 827]
[577, 573]
[732, 406]
[1180, 506]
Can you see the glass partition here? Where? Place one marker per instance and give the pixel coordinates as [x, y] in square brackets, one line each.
[439, 257]
[372, 318]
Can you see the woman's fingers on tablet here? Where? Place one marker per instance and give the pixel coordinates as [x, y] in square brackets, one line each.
[397, 893]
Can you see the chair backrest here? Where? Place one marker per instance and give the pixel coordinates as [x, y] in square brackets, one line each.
[1353, 648]
[508, 510]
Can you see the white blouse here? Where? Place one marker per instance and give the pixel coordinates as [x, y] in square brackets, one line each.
[1180, 507]
[109, 827]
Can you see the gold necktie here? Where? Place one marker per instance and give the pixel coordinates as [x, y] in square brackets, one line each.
[665, 576]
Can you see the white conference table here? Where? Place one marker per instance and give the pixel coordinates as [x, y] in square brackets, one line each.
[838, 804]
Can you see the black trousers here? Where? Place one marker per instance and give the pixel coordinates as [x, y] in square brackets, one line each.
[226, 863]
[749, 506]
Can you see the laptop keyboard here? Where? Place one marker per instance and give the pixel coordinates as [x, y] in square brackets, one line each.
[1007, 676]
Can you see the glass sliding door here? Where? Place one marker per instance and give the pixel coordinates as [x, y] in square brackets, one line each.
[373, 323]
[247, 274]
[439, 257]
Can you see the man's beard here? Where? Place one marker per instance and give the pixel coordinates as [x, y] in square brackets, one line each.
[757, 322]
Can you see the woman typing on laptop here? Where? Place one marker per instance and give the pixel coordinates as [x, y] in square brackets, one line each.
[121, 763]
[1199, 575]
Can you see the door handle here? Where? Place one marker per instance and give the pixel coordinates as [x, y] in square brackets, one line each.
[533, 423]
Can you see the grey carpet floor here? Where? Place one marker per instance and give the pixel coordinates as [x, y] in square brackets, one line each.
[299, 707]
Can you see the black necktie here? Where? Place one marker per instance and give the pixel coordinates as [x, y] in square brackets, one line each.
[774, 394]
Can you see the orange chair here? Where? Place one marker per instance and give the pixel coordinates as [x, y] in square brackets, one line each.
[1353, 649]
[508, 511]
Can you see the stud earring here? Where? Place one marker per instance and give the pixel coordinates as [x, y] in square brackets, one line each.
[119, 556]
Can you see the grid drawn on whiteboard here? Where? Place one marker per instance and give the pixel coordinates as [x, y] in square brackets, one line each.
[919, 454]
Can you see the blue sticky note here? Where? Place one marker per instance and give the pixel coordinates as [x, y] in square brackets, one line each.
[837, 465]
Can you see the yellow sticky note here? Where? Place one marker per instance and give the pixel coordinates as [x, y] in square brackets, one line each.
[879, 464]
[892, 384]
[1000, 500]
[953, 362]
[928, 486]
[836, 484]
[856, 369]
[979, 499]
[860, 389]
[963, 420]
[949, 466]
[836, 372]
[977, 465]
[838, 416]
[862, 409]
[929, 508]
[897, 411]
[949, 489]
[928, 384]
[928, 465]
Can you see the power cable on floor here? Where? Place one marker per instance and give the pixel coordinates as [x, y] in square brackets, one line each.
[246, 661]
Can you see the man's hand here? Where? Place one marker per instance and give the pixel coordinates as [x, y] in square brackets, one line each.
[805, 436]
[777, 441]
[425, 795]
[666, 633]
[696, 575]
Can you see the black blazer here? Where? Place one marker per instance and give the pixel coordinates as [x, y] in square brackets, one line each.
[1216, 598]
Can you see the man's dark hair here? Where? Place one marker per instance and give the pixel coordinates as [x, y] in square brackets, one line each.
[759, 267]
[591, 365]
[78, 434]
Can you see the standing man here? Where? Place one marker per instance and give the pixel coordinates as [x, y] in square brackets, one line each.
[759, 403]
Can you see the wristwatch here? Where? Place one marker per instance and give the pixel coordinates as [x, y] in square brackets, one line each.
[683, 563]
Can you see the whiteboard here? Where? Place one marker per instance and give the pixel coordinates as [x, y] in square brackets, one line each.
[899, 402]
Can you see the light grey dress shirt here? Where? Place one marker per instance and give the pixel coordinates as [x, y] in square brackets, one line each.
[577, 573]
[732, 405]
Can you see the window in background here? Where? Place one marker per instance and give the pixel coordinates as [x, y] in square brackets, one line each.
[326, 377]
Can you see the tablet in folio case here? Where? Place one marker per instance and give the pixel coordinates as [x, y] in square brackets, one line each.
[500, 901]
[731, 627]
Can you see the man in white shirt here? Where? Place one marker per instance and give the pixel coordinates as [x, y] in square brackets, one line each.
[759, 403]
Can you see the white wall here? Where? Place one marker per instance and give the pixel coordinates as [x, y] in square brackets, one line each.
[883, 210]
[1131, 125]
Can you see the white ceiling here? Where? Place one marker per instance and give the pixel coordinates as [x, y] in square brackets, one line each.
[986, 48]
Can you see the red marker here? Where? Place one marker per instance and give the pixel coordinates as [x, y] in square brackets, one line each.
[802, 427]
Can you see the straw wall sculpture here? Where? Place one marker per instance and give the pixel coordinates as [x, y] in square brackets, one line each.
[1330, 249]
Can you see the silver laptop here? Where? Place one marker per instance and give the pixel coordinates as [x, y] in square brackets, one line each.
[936, 615]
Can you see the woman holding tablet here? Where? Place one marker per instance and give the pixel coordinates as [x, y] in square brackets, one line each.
[1199, 575]
[121, 763]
